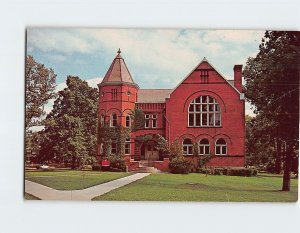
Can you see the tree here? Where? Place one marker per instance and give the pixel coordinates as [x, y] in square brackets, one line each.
[70, 133]
[260, 144]
[272, 85]
[39, 88]
[138, 118]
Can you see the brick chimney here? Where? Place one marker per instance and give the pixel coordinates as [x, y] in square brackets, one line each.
[238, 77]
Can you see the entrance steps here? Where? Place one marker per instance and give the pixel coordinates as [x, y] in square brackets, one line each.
[146, 170]
[145, 166]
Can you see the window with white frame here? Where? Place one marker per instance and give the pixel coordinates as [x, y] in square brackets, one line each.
[187, 147]
[113, 120]
[127, 121]
[204, 147]
[154, 121]
[221, 147]
[147, 120]
[127, 146]
[204, 111]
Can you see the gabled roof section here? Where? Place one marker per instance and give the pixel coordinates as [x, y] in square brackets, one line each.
[153, 95]
[118, 72]
[205, 60]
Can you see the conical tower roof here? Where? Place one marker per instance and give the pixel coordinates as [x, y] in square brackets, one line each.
[118, 72]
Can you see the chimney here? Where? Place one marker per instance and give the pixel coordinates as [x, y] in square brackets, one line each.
[238, 77]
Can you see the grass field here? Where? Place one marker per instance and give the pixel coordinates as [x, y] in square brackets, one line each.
[72, 180]
[28, 196]
[198, 187]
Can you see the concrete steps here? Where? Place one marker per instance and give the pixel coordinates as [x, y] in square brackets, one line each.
[146, 170]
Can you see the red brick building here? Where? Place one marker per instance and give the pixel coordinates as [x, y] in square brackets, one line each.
[205, 108]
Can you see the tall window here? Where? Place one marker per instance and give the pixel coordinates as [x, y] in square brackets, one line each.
[101, 149]
[127, 121]
[187, 146]
[114, 94]
[154, 121]
[147, 120]
[113, 147]
[127, 146]
[102, 120]
[204, 111]
[113, 120]
[221, 147]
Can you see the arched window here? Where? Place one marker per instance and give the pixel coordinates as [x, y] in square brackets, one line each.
[113, 120]
[127, 121]
[221, 147]
[187, 147]
[204, 111]
[102, 120]
[204, 147]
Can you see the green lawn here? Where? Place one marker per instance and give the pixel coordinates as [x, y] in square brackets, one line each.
[72, 180]
[28, 196]
[198, 187]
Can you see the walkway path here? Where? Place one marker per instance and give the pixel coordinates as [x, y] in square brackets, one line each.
[46, 193]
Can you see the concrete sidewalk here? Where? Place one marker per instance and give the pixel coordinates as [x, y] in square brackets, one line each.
[46, 193]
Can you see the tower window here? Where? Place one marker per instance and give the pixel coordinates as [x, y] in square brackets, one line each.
[113, 120]
[102, 120]
[113, 147]
[127, 121]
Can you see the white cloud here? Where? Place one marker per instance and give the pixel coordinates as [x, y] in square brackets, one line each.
[175, 51]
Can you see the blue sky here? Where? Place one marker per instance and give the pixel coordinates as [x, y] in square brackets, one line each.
[156, 58]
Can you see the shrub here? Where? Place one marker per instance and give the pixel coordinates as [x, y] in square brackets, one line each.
[86, 167]
[241, 172]
[217, 171]
[96, 167]
[180, 166]
[117, 163]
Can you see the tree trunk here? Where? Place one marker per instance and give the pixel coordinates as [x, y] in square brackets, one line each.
[278, 157]
[287, 168]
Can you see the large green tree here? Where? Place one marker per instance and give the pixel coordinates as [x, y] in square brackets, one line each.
[272, 85]
[39, 88]
[70, 133]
